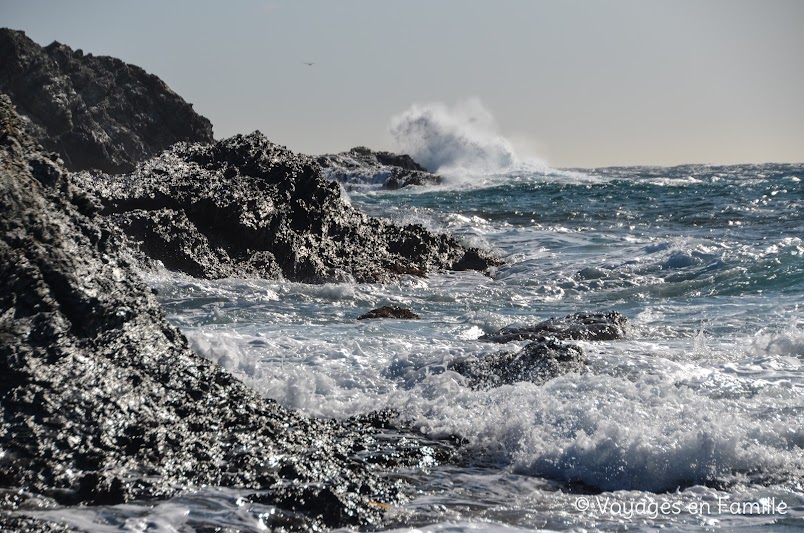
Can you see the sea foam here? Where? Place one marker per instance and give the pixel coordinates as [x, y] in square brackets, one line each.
[455, 140]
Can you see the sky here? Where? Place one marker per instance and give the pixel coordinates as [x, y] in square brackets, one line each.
[575, 83]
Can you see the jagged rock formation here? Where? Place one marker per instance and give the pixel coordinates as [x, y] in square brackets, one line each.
[96, 112]
[578, 326]
[390, 311]
[361, 165]
[247, 207]
[102, 401]
[537, 362]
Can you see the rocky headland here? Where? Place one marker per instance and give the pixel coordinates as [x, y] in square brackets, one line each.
[247, 207]
[363, 166]
[96, 112]
[242, 206]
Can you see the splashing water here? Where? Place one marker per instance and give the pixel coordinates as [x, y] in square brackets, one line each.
[453, 139]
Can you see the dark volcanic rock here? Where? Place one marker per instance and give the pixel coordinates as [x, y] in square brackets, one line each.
[103, 402]
[579, 326]
[247, 207]
[96, 112]
[537, 362]
[364, 166]
[390, 311]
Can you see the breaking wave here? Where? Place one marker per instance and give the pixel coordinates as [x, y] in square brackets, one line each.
[461, 138]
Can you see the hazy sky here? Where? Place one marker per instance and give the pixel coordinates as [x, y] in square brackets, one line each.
[577, 83]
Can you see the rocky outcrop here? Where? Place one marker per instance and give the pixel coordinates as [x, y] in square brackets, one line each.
[96, 112]
[247, 207]
[103, 402]
[578, 326]
[390, 311]
[537, 362]
[545, 358]
[362, 166]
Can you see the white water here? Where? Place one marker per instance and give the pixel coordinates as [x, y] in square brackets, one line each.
[454, 141]
[664, 409]
[653, 413]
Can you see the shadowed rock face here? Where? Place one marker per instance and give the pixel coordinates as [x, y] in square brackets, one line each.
[103, 402]
[362, 165]
[96, 112]
[537, 362]
[578, 326]
[247, 207]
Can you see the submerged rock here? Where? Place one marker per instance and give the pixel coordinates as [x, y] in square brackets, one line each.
[578, 326]
[361, 165]
[247, 207]
[96, 112]
[102, 400]
[390, 311]
[537, 362]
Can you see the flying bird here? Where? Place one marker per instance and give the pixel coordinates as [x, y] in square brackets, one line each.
[309, 64]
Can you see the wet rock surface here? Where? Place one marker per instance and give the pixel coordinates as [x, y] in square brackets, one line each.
[247, 207]
[537, 362]
[390, 311]
[103, 402]
[362, 165]
[578, 326]
[96, 112]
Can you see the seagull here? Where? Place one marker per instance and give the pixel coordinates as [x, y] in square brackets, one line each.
[309, 64]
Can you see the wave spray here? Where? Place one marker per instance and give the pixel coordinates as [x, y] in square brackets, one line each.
[462, 138]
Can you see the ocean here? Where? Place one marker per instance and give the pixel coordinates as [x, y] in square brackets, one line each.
[692, 422]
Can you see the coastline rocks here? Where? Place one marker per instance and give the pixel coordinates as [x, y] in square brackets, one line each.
[96, 112]
[362, 166]
[102, 400]
[538, 362]
[247, 207]
[578, 326]
[390, 311]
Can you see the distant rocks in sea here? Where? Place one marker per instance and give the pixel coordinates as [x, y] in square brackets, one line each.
[390, 311]
[103, 400]
[364, 166]
[247, 207]
[96, 112]
[578, 326]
